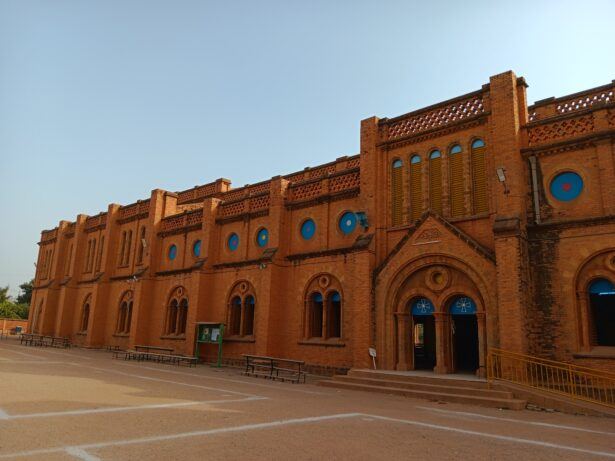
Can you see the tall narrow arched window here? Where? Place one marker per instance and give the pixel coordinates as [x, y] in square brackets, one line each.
[316, 310]
[334, 315]
[455, 163]
[122, 250]
[128, 318]
[85, 315]
[100, 253]
[86, 267]
[416, 188]
[241, 310]
[36, 318]
[128, 248]
[235, 317]
[435, 181]
[141, 246]
[602, 307]
[182, 317]
[68, 260]
[177, 313]
[172, 317]
[479, 177]
[248, 317]
[397, 193]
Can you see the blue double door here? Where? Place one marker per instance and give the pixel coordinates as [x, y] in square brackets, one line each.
[459, 332]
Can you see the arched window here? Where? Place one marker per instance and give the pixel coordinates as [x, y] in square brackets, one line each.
[435, 181]
[235, 316]
[124, 317]
[334, 315]
[242, 304]
[100, 253]
[85, 315]
[602, 304]
[68, 260]
[36, 318]
[323, 302]
[416, 188]
[177, 313]
[122, 250]
[248, 325]
[92, 256]
[455, 163]
[141, 246]
[128, 248]
[479, 177]
[397, 193]
[316, 310]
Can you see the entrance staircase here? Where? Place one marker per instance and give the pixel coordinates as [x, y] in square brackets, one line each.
[436, 388]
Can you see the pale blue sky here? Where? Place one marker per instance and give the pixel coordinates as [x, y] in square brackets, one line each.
[102, 101]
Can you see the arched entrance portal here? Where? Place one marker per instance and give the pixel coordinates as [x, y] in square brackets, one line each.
[602, 307]
[464, 335]
[423, 339]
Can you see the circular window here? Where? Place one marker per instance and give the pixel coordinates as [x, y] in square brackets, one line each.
[262, 237]
[172, 252]
[233, 242]
[196, 248]
[348, 222]
[566, 186]
[308, 229]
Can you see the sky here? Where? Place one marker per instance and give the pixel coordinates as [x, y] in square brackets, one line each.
[103, 101]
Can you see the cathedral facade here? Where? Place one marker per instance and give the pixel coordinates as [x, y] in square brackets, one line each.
[479, 222]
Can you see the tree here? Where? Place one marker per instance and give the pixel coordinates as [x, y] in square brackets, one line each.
[25, 296]
[4, 294]
[15, 310]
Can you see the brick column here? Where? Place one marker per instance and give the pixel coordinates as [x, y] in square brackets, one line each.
[506, 99]
[403, 348]
[442, 365]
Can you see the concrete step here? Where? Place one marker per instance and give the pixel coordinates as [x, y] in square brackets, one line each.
[494, 402]
[442, 380]
[446, 387]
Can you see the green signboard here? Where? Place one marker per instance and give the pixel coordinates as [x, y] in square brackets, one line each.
[210, 333]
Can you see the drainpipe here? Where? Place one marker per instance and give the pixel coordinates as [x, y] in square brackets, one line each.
[535, 189]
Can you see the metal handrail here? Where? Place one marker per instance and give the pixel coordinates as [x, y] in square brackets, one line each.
[562, 378]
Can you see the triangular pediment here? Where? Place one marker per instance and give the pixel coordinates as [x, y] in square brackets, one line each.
[433, 234]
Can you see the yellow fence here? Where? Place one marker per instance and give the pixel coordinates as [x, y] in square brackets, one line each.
[548, 375]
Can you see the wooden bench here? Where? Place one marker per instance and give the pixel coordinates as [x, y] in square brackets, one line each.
[274, 368]
[154, 349]
[60, 342]
[143, 353]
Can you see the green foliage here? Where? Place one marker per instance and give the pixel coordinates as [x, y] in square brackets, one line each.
[11, 310]
[19, 309]
[4, 294]
[25, 296]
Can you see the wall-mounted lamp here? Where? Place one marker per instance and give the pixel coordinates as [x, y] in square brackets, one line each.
[501, 172]
[362, 218]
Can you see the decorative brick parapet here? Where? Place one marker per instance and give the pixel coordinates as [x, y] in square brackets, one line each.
[433, 117]
[552, 107]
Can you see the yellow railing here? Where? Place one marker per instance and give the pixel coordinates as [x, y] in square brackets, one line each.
[581, 383]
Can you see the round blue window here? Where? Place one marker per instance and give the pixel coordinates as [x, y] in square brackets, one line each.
[566, 186]
[262, 237]
[233, 242]
[308, 228]
[172, 252]
[196, 248]
[348, 222]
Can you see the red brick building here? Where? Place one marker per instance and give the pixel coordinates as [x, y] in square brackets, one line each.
[473, 223]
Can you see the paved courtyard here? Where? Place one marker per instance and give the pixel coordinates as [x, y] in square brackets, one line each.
[82, 404]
